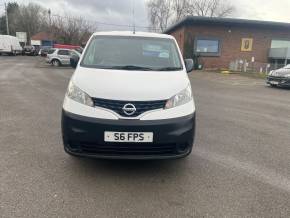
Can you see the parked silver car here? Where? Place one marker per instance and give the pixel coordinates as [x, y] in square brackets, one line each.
[58, 57]
[280, 77]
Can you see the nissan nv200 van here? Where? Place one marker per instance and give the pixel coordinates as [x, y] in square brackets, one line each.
[129, 98]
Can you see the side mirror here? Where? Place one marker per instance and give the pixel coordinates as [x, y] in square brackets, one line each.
[189, 65]
[74, 60]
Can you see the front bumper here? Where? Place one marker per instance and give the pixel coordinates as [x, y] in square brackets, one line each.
[84, 136]
[278, 81]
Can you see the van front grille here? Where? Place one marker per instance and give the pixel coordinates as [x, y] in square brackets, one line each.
[127, 148]
[117, 106]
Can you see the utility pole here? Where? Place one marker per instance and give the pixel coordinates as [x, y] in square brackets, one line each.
[49, 28]
[133, 14]
[49, 17]
[6, 16]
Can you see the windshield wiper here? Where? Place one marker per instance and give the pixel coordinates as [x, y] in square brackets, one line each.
[134, 67]
[169, 69]
[131, 67]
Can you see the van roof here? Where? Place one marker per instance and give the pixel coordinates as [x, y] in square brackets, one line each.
[130, 33]
[8, 36]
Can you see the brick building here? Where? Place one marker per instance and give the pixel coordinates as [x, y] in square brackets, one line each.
[43, 39]
[218, 42]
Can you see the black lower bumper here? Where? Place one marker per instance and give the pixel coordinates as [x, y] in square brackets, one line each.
[83, 136]
[278, 81]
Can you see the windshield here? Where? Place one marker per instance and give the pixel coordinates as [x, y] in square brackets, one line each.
[80, 50]
[74, 53]
[51, 51]
[132, 53]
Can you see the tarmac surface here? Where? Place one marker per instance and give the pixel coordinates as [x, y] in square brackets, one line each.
[239, 166]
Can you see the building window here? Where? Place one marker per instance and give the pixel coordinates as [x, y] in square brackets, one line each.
[207, 46]
[280, 44]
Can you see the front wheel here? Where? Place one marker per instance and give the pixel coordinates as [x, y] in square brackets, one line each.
[55, 63]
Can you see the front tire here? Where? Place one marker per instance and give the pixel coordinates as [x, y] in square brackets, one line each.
[55, 63]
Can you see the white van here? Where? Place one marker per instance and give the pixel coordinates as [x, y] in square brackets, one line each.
[10, 45]
[130, 98]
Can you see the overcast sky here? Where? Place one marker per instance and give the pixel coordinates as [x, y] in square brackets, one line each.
[120, 11]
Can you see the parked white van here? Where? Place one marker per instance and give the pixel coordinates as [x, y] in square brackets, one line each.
[10, 45]
[130, 98]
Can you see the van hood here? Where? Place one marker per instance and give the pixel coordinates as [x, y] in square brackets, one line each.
[130, 85]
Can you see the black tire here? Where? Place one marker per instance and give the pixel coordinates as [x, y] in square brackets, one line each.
[55, 63]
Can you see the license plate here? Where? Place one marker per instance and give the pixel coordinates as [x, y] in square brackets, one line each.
[136, 137]
[274, 82]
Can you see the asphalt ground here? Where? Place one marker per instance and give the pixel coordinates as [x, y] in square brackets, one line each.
[239, 166]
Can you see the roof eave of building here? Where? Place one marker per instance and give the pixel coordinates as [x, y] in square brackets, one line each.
[226, 21]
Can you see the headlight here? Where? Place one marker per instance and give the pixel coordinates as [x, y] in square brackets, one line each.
[287, 75]
[76, 94]
[181, 98]
[271, 72]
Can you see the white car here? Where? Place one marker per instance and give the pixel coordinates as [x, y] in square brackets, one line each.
[58, 56]
[130, 97]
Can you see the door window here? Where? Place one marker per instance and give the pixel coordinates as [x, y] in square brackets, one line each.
[63, 52]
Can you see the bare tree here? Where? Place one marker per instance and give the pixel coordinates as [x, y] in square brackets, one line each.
[28, 18]
[210, 8]
[31, 18]
[165, 12]
[67, 29]
[159, 13]
[12, 9]
[71, 30]
[180, 9]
